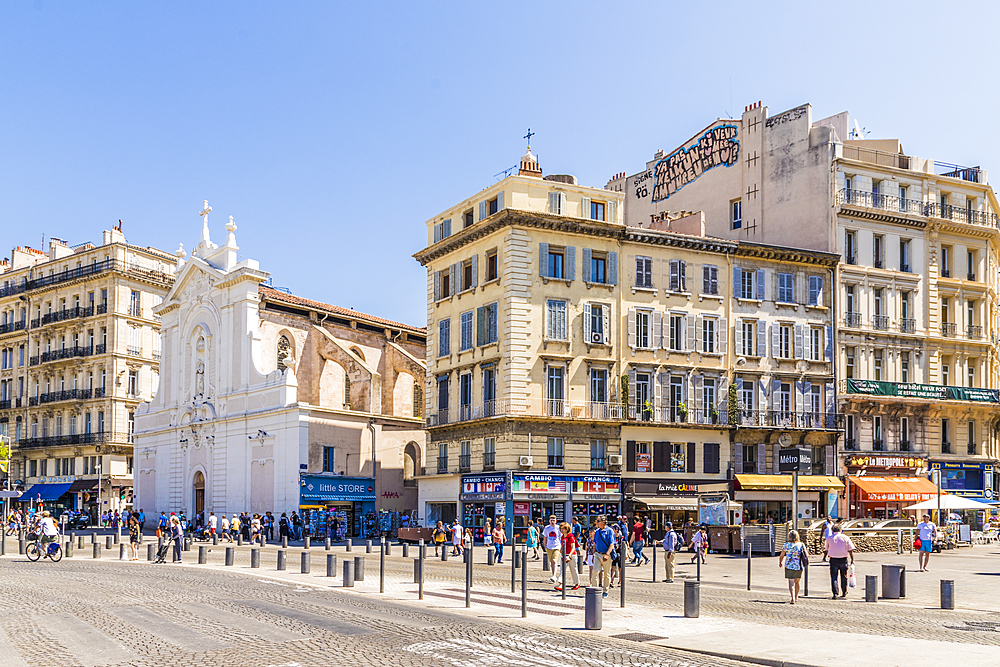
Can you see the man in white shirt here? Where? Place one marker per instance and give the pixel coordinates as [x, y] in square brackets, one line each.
[552, 537]
[47, 528]
[213, 523]
[928, 533]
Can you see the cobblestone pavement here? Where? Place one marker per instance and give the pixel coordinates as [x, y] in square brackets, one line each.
[89, 613]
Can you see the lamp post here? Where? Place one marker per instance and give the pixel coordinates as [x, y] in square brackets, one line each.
[100, 505]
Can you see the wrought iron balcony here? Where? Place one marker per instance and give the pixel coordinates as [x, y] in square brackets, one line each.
[87, 270]
[907, 325]
[11, 327]
[894, 204]
[946, 447]
[465, 462]
[880, 322]
[850, 445]
[5, 405]
[442, 464]
[852, 319]
[598, 463]
[972, 449]
[790, 419]
[960, 214]
[489, 460]
[974, 332]
[905, 446]
[949, 329]
[555, 461]
[98, 438]
[878, 446]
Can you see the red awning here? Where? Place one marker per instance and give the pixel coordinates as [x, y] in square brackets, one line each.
[894, 489]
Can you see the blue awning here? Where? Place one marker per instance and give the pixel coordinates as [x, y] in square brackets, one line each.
[44, 492]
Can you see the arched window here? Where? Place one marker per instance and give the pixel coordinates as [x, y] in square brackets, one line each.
[284, 351]
[411, 467]
[356, 351]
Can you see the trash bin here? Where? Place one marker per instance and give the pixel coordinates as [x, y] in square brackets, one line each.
[893, 586]
[593, 608]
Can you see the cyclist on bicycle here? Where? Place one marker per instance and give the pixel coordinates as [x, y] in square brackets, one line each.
[47, 528]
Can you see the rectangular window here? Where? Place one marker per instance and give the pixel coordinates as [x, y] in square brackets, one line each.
[489, 390]
[749, 337]
[444, 338]
[676, 338]
[849, 355]
[555, 451]
[445, 281]
[850, 291]
[945, 310]
[971, 261]
[815, 290]
[493, 205]
[135, 304]
[598, 267]
[643, 320]
[557, 263]
[465, 455]
[709, 279]
[972, 373]
[877, 362]
[749, 459]
[815, 344]
[596, 210]
[946, 371]
[555, 320]
[971, 432]
[904, 252]
[878, 251]
[133, 383]
[492, 268]
[904, 367]
[851, 247]
[33, 468]
[877, 440]
[597, 314]
[904, 434]
[678, 275]
[443, 393]
[708, 335]
[945, 436]
[736, 213]
[643, 271]
[466, 324]
[468, 218]
[489, 453]
[598, 451]
[329, 459]
[465, 393]
[555, 390]
[785, 288]
[746, 284]
[486, 324]
[946, 261]
[904, 305]
[598, 385]
[468, 279]
[708, 396]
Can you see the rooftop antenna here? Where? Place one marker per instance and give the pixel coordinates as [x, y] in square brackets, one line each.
[858, 132]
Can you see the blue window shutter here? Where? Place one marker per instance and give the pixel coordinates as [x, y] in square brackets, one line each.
[738, 282]
[543, 259]
[760, 284]
[828, 353]
[586, 265]
[475, 271]
[570, 263]
[437, 233]
[446, 228]
[483, 211]
[500, 206]
[481, 325]
[613, 268]
[437, 285]
[492, 311]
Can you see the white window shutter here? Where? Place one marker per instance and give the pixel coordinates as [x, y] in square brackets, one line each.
[475, 271]
[543, 259]
[500, 203]
[799, 352]
[690, 325]
[611, 212]
[658, 394]
[586, 323]
[761, 338]
[775, 390]
[800, 395]
[554, 202]
[437, 233]
[631, 328]
[453, 279]
[585, 208]
[696, 382]
[699, 332]
[631, 386]
[801, 287]
[775, 340]
[683, 276]
[722, 336]
[739, 337]
[606, 315]
[586, 264]
[738, 457]
[483, 210]
[570, 263]
[656, 327]
[830, 467]
[562, 203]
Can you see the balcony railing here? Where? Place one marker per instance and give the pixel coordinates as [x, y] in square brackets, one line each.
[555, 461]
[88, 270]
[528, 407]
[974, 332]
[907, 325]
[972, 449]
[465, 462]
[134, 351]
[598, 463]
[64, 395]
[946, 447]
[489, 460]
[872, 156]
[880, 322]
[98, 438]
[5, 405]
[790, 419]
[68, 314]
[894, 204]
[949, 329]
[961, 214]
[878, 446]
[905, 446]
[852, 319]
[442, 464]
[850, 445]
[10, 327]
[63, 353]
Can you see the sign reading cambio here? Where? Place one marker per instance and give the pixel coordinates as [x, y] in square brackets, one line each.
[795, 460]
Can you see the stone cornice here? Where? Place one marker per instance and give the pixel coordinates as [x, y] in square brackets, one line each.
[879, 215]
[783, 254]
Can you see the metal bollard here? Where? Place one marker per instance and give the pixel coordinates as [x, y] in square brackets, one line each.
[406, 549]
[79, 542]
[417, 567]
[239, 539]
[592, 614]
[359, 568]
[871, 588]
[3, 543]
[621, 577]
[97, 550]
[187, 543]
[121, 551]
[652, 576]
[117, 537]
[388, 548]
[350, 543]
[107, 542]
[230, 556]
[381, 567]
[331, 565]
[517, 559]
[284, 541]
[93, 538]
[468, 574]
[282, 556]
[524, 582]
[307, 542]
[692, 599]
[215, 539]
[805, 575]
[545, 561]
[513, 564]
[368, 546]
[444, 553]
[947, 594]
[489, 556]
[202, 554]
[420, 581]
[255, 557]
[150, 551]
[348, 580]
[69, 548]
[327, 545]
[305, 565]
[20, 546]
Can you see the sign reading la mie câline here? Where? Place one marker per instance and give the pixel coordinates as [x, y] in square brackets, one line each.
[931, 392]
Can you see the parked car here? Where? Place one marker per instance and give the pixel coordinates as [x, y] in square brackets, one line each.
[77, 520]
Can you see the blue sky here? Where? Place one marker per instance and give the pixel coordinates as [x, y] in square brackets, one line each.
[332, 131]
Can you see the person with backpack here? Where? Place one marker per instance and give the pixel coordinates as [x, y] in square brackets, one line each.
[671, 544]
[439, 535]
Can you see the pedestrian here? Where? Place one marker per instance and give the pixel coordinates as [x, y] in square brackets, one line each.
[793, 558]
[213, 523]
[142, 520]
[577, 529]
[620, 542]
[296, 526]
[177, 534]
[569, 551]
[699, 542]
[439, 535]
[488, 533]
[839, 547]
[269, 525]
[638, 541]
[670, 543]
[162, 525]
[224, 527]
[255, 529]
[550, 540]
[283, 525]
[235, 527]
[927, 533]
[133, 536]
[604, 544]
[499, 539]
[456, 538]
[589, 542]
[827, 534]
[532, 539]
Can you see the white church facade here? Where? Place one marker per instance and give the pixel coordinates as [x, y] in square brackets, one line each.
[272, 402]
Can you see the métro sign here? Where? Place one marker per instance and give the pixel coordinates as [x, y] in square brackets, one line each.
[795, 460]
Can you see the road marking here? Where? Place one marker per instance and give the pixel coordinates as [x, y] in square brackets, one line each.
[266, 631]
[180, 635]
[306, 617]
[87, 645]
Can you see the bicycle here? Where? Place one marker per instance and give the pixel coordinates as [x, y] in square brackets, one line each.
[35, 550]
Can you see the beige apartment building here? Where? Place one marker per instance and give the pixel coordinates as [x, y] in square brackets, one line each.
[79, 350]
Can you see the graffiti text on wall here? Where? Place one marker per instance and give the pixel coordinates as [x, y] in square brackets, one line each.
[717, 147]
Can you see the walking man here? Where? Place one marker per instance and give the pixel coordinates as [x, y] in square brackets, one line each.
[552, 537]
[839, 548]
[700, 543]
[928, 533]
[604, 542]
[827, 534]
[669, 543]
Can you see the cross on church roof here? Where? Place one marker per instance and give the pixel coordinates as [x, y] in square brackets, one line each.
[529, 135]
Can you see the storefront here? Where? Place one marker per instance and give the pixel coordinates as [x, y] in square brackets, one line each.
[344, 503]
[668, 500]
[593, 496]
[768, 498]
[438, 499]
[539, 496]
[873, 467]
[885, 497]
[970, 479]
[52, 492]
[483, 497]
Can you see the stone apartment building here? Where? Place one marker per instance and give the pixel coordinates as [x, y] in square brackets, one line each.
[79, 350]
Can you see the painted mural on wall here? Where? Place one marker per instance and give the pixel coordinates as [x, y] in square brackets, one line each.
[718, 147]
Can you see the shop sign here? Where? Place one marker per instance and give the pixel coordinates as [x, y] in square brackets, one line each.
[316, 489]
[522, 509]
[884, 461]
[675, 488]
[965, 478]
[484, 487]
[794, 460]
[500, 509]
[931, 392]
[539, 484]
[556, 484]
[64, 479]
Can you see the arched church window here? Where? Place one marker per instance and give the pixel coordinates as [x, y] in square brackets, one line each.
[410, 466]
[284, 352]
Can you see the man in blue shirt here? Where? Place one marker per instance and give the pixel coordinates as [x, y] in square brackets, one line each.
[669, 543]
[604, 542]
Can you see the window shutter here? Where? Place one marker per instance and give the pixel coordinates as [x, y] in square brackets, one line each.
[775, 459]
[563, 316]
[699, 332]
[631, 328]
[630, 456]
[831, 460]
[683, 276]
[661, 456]
[819, 289]
[585, 208]
[562, 203]
[570, 263]
[739, 336]
[606, 321]
[611, 212]
[710, 460]
[493, 316]
[689, 325]
[500, 205]
[722, 336]
[760, 284]
[799, 353]
[706, 279]
[659, 395]
[800, 395]
[761, 338]
[483, 210]
[475, 271]
[761, 458]
[631, 387]
[453, 279]
[714, 273]
[437, 232]
[775, 390]
[446, 228]
[437, 285]
[543, 259]
[586, 324]
[738, 457]
[801, 288]
[481, 325]
[738, 282]
[656, 339]
[691, 453]
[554, 202]
[674, 284]
[586, 264]
[828, 352]
[612, 268]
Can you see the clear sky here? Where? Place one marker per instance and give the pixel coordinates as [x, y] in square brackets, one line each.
[333, 131]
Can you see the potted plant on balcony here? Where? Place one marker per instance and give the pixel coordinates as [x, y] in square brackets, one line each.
[682, 411]
[624, 398]
[733, 404]
[647, 411]
[713, 414]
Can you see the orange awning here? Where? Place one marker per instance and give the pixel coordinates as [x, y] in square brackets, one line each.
[894, 489]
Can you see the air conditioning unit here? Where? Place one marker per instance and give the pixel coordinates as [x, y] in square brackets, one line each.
[596, 337]
[525, 461]
[615, 460]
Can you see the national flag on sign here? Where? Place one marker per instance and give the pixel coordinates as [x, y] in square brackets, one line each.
[470, 487]
[557, 485]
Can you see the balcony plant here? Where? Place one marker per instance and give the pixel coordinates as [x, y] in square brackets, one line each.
[682, 411]
[713, 414]
[647, 411]
[734, 405]
[623, 394]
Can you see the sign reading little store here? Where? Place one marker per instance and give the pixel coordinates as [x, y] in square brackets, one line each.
[925, 391]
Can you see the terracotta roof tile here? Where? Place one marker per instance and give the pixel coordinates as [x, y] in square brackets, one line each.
[270, 294]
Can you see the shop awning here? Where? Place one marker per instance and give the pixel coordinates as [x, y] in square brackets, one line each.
[83, 485]
[44, 492]
[895, 489]
[784, 482]
[684, 503]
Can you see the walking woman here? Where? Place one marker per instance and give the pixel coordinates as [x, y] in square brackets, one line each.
[499, 539]
[533, 540]
[488, 533]
[177, 533]
[133, 536]
[793, 558]
[569, 549]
